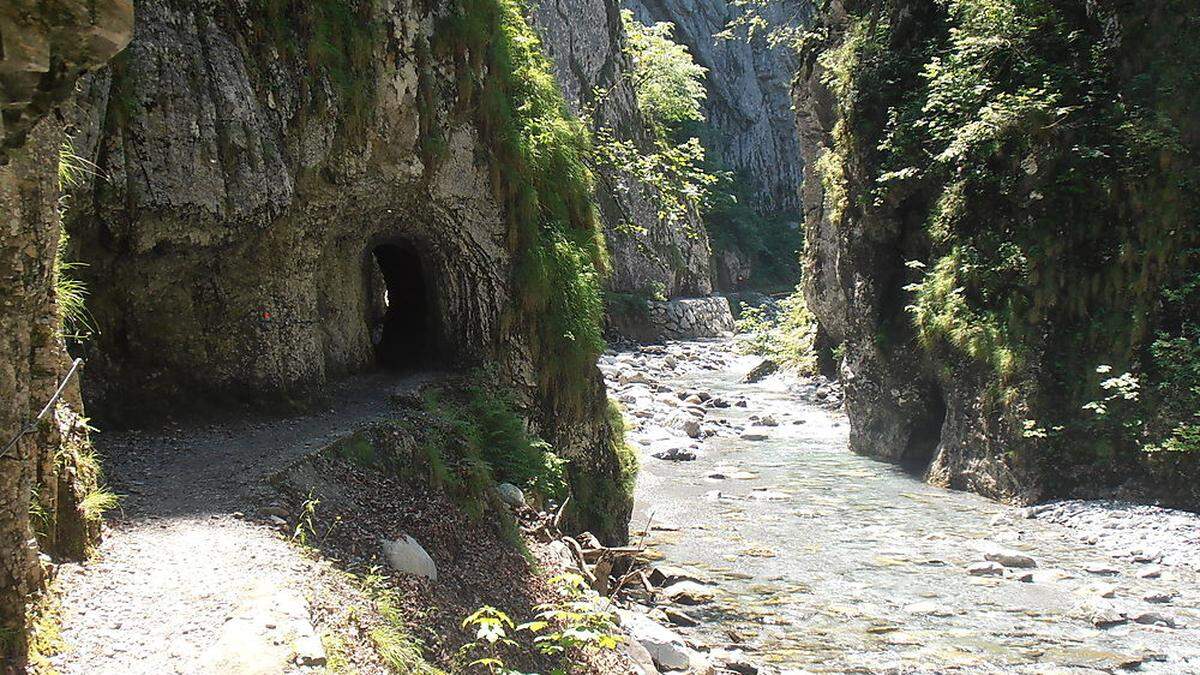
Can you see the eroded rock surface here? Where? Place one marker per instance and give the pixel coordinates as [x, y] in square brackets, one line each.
[44, 47]
[586, 41]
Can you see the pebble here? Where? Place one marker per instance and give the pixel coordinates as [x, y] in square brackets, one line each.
[986, 568]
[1154, 619]
[1152, 572]
[1007, 556]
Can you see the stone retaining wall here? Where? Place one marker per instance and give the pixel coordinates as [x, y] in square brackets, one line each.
[679, 319]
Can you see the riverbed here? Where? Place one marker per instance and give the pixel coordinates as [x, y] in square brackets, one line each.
[822, 560]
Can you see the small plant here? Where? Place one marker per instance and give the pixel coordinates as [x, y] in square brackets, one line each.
[97, 502]
[306, 525]
[786, 333]
[492, 627]
[577, 623]
[578, 620]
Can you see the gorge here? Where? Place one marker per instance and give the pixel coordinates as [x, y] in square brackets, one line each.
[357, 318]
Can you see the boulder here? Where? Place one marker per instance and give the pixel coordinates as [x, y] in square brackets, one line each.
[689, 593]
[1007, 556]
[511, 494]
[665, 574]
[675, 455]
[666, 648]
[986, 568]
[761, 371]
[407, 556]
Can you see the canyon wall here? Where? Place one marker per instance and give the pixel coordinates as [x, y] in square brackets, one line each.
[586, 41]
[749, 124]
[46, 470]
[270, 185]
[1006, 254]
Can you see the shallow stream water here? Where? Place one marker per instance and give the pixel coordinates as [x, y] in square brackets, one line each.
[827, 561]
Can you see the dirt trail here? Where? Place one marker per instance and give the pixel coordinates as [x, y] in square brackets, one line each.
[182, 582]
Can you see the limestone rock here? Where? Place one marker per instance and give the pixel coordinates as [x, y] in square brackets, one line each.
[985, 569]
[1007, 556]
[759, 372]
[511, 494]
[666, 647]
[407, 556]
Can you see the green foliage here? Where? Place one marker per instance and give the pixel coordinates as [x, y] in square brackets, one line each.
[400, 651]
[539, 154]
[669, 87]
[306, 525]
[1036, 161]
[668, 83]
[772, 241]
[96, 502]
[487, 421]
[43, 622]
[74, 320]
[674, 172]
[578, 622]
[786, 333]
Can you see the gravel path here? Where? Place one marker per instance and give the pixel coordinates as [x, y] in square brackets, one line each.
[183, 582]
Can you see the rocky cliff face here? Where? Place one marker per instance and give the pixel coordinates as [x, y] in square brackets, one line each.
[748, 113]
[282, 197]
[586, 41]
[46, 473]
[973, 293]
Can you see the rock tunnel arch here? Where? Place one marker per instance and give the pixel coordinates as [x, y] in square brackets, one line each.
[406, 327]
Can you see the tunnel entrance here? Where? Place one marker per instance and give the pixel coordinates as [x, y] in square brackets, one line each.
[403, 321]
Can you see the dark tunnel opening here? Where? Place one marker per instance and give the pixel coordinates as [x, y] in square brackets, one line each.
[404, 326]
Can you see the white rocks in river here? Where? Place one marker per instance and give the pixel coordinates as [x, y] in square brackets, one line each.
[1151, 572]
[685, 422]
[760, 371]
[689, 593]
[665, 574]
[632, 377]
[511, 494]
[1049, 575]
[665, 646]
[986, 568]
[1099, 590]
[407, 556]
[639, 658]
[1106, 617]
[1159, 598]
[1007, 556]
[1145, 555]
[734, 661]
[675, 455]
[769, 496]
[1102, 569]
[931, 608]
[1153, 618]
[679, 617]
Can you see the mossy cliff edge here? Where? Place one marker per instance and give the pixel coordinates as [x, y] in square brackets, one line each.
[1001, 207]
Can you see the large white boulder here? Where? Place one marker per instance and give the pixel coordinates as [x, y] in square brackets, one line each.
[666, 647]
[406, 556]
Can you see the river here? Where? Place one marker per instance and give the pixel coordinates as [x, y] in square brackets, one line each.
[822, 560]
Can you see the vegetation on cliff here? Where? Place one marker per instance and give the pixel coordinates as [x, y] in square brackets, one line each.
[1046, 152]
[539, 154]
